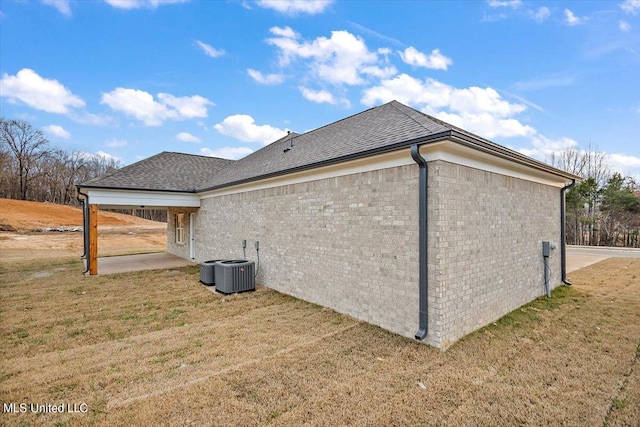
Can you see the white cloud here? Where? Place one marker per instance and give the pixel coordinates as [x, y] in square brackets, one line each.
[243, 127]
[187, 107]
[187, 137]
[100, 155]
[630, 6]
[478, 110]
[108, 156]
[624, 26]
[137, 4]
[544, 149]
[61, 5]
[286, 32]
[233, 153]
[541, 14]
[433, 95]
[625, 164]
[58, 131]
[116, 143]
[210, 50]
[435, 60]
[341, 59]
[505, 3]
[572, 20]
[265, 79]
[293, 7]
[91, 119]
[142, 106]
[322, 96]
[39, 93]
[487, 125]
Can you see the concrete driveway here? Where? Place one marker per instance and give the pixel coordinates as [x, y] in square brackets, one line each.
[582, 256]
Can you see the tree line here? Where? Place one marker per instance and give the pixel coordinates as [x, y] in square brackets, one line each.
[30, 169]
[603, 209]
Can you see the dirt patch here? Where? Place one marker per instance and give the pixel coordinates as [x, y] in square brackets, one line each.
[157, 348]
[23, 215]
[118, 234]
[22, 249]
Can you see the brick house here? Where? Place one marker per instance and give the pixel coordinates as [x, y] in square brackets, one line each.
[390, 216]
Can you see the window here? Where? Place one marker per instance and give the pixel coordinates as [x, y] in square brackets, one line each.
[179, 228]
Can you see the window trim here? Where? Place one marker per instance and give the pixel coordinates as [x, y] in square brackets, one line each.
[179, 228]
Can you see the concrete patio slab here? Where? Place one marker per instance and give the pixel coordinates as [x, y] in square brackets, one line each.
[126, 263]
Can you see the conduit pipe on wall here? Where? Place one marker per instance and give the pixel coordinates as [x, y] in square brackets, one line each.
[563, 233]
[423, 245]
[546, 253]
[85, 227]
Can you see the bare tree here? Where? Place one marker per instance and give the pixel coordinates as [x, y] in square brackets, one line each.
[75, 164]
[28, 146]
[594, 212]
[570, 159]
[6, 175]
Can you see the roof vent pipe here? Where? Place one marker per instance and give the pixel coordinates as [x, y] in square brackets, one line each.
[563, 233]
[423, 245]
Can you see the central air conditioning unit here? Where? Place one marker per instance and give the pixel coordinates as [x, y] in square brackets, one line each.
[208, 272]
[235, 276]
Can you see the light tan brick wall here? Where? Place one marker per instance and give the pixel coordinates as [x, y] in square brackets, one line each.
[486, 233]
[349, 243]
[178, 249]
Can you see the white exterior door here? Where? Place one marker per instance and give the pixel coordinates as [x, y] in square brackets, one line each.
[192, 236]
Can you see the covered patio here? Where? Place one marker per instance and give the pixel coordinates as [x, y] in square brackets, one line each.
[164, 181]
[95, 199]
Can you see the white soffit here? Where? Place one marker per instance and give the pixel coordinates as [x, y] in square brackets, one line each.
[448, 151]
[453, 152]
[136, 199]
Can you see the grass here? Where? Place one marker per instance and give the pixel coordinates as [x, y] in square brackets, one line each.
[157, 348]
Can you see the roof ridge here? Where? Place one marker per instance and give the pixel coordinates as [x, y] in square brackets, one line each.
[347, 118]
[466, 133]
[402, 107]
[193, 155]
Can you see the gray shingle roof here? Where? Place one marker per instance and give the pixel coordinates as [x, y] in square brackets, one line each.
[389, 127]
[371, 130]
[166, 171]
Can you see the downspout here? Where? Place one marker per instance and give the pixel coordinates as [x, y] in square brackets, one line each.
[85, 227]
[563, 233]
[423, 245]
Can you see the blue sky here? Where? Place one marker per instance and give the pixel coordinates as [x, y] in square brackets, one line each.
[131, 78]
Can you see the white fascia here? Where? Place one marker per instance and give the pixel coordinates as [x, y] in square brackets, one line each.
[137, 199]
